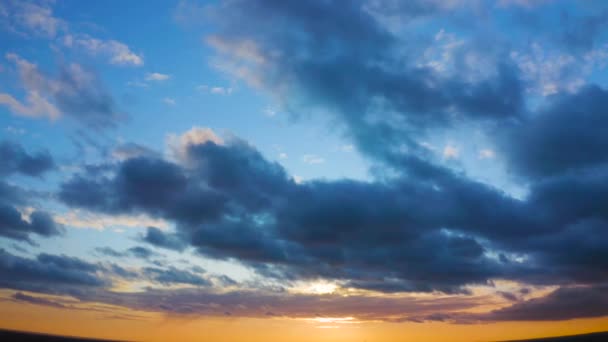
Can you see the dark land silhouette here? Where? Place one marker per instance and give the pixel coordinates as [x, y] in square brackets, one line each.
[11, 335]
[593, 337]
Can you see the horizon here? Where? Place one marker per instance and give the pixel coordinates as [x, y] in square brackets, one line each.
[254, 170]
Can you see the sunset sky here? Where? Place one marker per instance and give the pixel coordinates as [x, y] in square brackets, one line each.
[365, 170]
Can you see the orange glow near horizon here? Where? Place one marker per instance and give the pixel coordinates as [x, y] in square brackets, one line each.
[125, 324]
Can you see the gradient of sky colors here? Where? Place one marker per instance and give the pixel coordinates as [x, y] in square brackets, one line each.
[366, 170]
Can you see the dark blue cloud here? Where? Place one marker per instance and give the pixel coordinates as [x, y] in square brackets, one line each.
[173, 275]
[22, 297]
[142, 252]
[13, 226]
[145, 184]
[158, 238]
[48, 273]
[16, 160]
[562, 304]
[422, 228]
[566, 136]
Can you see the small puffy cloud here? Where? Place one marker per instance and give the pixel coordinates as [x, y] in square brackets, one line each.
[15, 130]
[283, 155]
[312, 159]
[450, 152]
[347, 148]
[486, 153]
[215, 90]
[270, 112]
[169, 101]
[157, 77]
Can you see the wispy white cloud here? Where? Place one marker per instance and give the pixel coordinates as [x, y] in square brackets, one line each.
[169, 101]
[33, 106]
[451, 152]
[486, 153]
[312, 159]
[156, 76]
[37, 19]
[76, 92]
[216, 90]
[89, 220]
[270, 112]
[31, 19]
[117, 52]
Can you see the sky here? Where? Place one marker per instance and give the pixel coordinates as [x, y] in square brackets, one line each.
[243, 170]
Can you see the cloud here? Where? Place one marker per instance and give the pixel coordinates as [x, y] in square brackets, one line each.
[307, 230]
[486, 153]
[34, 106]
[117, 53]
[355, 68]
[270, 112]
[450, 152]
[143, 185]
[157, 77]
[15, 223]
[565, 136]
[22, 297]
[179, 144]
[47, 273]
[131, 150]
[230, 203]
[564, 303]
[14, 226]
[17, 160]
[415, 225]
[158, 238]
[173, 275]
[108, 251]
[37, 19]
[93, 220]
[169, 101]
[26, 17]
[216, 90]
[141, 252]
[75, 92]
[312, 159]
[561, 304]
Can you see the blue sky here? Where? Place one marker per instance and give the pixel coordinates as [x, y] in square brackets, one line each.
[286, 143]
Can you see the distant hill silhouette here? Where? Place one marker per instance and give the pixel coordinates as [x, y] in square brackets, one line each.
[593, 337]
[10, 336]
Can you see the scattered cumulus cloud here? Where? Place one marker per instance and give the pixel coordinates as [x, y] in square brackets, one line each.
[157, 77]
[215, 90]
[486, 154]
[451, 152]
[169, 101]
